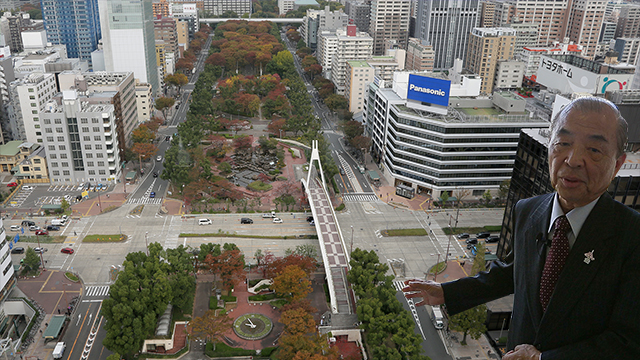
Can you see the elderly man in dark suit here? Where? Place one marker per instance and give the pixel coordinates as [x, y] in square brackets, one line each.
[575, 266]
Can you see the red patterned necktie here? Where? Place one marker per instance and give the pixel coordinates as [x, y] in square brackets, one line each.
[556, 259]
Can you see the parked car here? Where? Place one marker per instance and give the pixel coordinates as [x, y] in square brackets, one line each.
[204, 222]
[246, 221]
[152, 195]
[34, 227]
[42, 232]
[312, 223]
[28, 223]
[483, 235]
[492, 239]
[15, 227]
[17, 250]
[39, 250]
[66, 250]
[27, 187]
[12, 184]
[309, 218]
[277, 220]
[53, 228]
[463, 236]
[472, 241]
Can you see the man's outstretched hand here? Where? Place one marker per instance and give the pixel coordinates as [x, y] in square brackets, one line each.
[430, 291]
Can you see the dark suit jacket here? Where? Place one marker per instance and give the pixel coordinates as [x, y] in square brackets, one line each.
[594, 312]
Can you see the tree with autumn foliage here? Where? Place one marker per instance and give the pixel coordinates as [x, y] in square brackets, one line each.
[178, 80]
[293, 283]
[184, 65]
[211, 326]
[142, 134]
[243, 143]
[144, 151]
[228, 266]
[274, 266]
[297, 322]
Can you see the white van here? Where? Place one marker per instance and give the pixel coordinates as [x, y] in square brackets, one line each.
[269, 215]
[204, 222]
[58, 351]
[58, 222]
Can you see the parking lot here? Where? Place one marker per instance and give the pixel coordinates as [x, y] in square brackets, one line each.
[31, 196]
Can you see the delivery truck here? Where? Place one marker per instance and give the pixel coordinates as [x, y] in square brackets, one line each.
[58, 351]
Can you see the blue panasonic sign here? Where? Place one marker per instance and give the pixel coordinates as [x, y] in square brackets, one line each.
[429, 90]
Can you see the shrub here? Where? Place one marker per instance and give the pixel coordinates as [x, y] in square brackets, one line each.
[340, 207]
[228, 298]
[224, 350]
[264, 297]
[213, 302]
[259, 186]
[280, 303]
[266, 352]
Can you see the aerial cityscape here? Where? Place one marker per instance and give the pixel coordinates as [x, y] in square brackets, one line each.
[316, 179]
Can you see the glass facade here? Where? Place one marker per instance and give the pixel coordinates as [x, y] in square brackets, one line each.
[74, 23]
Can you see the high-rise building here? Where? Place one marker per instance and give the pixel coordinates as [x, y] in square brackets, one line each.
[81, 142]
[446, 25]
[549, 15]
[28, 97]
[7, 76]
[103, 88]
[219, 7]
[420, 56]
[526, 36]
[327, 45]
[128, 37]
[285, 5]
[160, 9]
[10, 27]
[182, 31]
[608, 31]
[74, 23]
[350, 45]
[166, 30]
[487, 14]
[629, 21]
[317, 21]
[628, 50]
[389, 20]
[359, 75]
[188, 13]
[585, 23]
[358, 12]
[508, 74]
[486, 47]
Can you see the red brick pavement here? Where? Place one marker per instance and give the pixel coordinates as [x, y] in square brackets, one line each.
[52, 290]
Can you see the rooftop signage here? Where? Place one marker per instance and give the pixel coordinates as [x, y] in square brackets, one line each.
[429, 90]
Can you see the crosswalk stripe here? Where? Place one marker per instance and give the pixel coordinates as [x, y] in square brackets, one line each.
[360, 197]
[145, 201]
[97, 291]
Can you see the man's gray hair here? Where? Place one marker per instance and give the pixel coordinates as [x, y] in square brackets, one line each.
[594, 105]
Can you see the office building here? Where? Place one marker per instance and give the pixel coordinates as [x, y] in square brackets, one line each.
[144, 102]
[28, 97]
[608, 31]
[128, 37]
[389, 20]
[628, 50]
[445, 139]
[574, 74]
[10, 27]
[359, 75]
[74, 23]
[350, 45]
[629, 21]
[508, 74]
[487, 46]
[531, 55]
[219, 7]
[103, 88]
[420, 56]
[317, 21]
[166, 30]
[385, 66]
[81, 142]
[549, 15]
[358, 12]
[182, 32]
[585, 23]
[487, 14]
[446, 25]
[188, 13]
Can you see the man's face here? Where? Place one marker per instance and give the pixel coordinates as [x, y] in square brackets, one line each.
[582, 157]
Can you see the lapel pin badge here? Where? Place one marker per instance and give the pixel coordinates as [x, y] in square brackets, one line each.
[588, 257]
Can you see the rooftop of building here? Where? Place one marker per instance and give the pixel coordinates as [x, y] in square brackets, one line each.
[11, 148]
[590, 65]
[306, 2]
[357, 63]
[472, 115]
[494, 31]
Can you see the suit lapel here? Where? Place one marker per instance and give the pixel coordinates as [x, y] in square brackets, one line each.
[578, 274]
[536, 236]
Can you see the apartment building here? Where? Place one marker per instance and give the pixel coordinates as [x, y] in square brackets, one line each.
[487, 14]
[549, 15]
[327, 45]
[385, 66]
[160, 9]
[144, 102]
[420, 56]
[487, 46]
[526, 36]
[508, 74]
[285, 5]
[28, 98]
[81, 141]
[585, 23]
[321, 20]
[182, 31]
[166, 29]
[359, 75]
[628, 50]
[628, 21]
[389, 19]
[219, 7]
[350, 45]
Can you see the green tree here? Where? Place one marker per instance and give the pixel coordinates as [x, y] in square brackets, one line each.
[178, 80]
[164, 103]
[503, 191]
[486, 197]
[224, 167]
[31, 259]
[114, 356]
[352, 129]
[444, 197]
[64, 205]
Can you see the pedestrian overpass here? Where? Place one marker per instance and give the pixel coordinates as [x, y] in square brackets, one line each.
[275, 20]
[332, 245]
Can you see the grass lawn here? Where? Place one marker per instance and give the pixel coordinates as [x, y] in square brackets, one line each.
[405, 232]
[104, 238]
[472, 230]
[259, 186]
